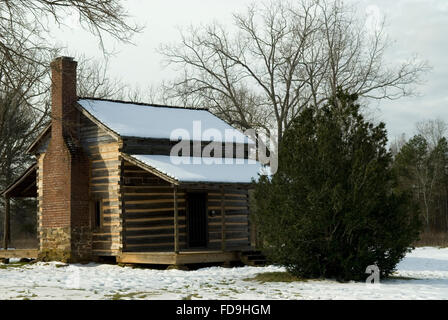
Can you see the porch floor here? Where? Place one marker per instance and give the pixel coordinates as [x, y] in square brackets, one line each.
[181, 258]
[18, 253]
[169, 258]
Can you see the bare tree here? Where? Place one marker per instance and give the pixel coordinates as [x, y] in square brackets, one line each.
[25, 107]
[24, 111]
[432, 131]
[154, 93]
[397, 144]
[94, 81]
[158, 94]
[24, 28]
[25, 53]
[282, 56]
[18, 125]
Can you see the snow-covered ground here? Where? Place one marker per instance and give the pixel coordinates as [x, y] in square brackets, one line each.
[427, 267]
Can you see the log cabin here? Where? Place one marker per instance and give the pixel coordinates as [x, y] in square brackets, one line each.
[131, 182]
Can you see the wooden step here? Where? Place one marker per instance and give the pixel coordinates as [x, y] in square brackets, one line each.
[253, 258]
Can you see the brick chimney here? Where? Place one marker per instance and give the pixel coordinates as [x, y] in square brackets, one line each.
[63, 97]
[64, 218]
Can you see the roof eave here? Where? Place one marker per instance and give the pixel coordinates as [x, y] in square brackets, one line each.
[177, 182]
[245, 185]
[18, 180]
[91, 117]
[37, 141]
[150, 169]
[144, 104]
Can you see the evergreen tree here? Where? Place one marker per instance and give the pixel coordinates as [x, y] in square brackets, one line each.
[332, 208]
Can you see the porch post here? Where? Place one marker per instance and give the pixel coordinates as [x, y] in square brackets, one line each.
[176, 222]
[6, 233]
[223, 222]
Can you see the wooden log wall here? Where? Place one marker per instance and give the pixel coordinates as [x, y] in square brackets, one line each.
[152, 146]
[148, 203]
[148, 211]
[236, 219]
[103, 151]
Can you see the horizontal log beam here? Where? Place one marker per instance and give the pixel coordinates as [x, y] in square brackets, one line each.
[20, 253]
[172, 258]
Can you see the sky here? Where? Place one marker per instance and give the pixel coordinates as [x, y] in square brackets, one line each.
[416, 26]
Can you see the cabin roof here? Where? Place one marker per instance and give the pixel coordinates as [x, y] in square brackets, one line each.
[24, 186]
[128, 119]
[200, 170]
[39, 138]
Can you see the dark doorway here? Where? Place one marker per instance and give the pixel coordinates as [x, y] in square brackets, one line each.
[197, 220]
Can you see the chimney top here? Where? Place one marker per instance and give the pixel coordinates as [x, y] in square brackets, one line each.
[63, 92]
[62, 59]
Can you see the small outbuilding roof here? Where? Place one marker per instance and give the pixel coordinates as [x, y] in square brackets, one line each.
[24, 186]
[201, 170]
[154, 121]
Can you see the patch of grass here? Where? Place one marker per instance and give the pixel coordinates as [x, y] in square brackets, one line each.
[234, 290]
[120, 296]
[14, 265]
[25, 297]
[130, 295]
[61, 265]
[195, 295]
[76, 289]
[122, 265]
[225, 282]
[392, 277]
[275, 277]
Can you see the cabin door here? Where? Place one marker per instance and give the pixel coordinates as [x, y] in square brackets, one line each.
[197, 220]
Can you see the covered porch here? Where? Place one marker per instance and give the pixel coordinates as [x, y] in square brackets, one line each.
[19, 247]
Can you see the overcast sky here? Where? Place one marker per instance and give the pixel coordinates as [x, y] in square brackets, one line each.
[417, 27]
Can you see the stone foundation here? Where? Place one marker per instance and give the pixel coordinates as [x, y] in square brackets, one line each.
[65, 245]
[55, 244]
[81, 244]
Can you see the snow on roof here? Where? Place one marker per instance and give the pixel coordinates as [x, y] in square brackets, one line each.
[197, 169]
[146, 121]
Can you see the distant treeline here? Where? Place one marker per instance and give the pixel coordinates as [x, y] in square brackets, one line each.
[421, 163]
